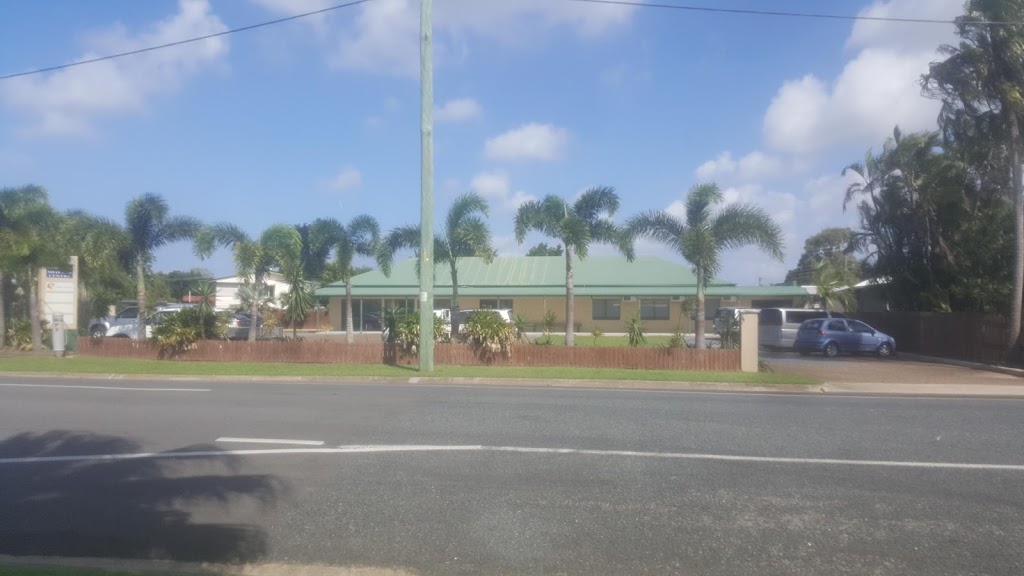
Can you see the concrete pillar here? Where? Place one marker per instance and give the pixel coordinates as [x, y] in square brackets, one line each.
[748, 341]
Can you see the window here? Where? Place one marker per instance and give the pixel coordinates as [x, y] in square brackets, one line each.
[607, 309]
[837, 326]
[860, 327]
[654, 309]
[811, 325]
[770, 303]
[799, 316]
[128, 313]
[496, 304]
[710, 307]
[770, 317]
[442, 303]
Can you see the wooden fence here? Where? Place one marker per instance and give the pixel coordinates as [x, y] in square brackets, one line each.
[321, 352]
[961, 336]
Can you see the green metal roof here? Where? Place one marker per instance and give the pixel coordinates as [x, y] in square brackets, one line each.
[545, 276]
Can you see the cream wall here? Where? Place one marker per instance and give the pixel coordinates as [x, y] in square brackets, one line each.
[533, 309]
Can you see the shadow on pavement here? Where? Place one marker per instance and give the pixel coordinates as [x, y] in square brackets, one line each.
[146, 508]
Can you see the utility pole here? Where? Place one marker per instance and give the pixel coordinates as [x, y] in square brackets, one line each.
[426, 189]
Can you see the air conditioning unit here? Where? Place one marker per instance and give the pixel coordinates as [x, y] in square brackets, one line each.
[629, 298]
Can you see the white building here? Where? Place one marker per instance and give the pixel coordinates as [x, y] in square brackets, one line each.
[227, 290]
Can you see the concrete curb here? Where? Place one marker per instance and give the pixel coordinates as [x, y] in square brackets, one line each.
[438, 381]
[1012, 391]
[964, 364]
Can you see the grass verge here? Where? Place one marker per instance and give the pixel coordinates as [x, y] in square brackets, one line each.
[94, 365]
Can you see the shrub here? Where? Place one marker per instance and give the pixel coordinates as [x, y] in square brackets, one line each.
[489, 334]
[596, 333]
[402, 327]
[635, 332]
[677, 340]
[520, 324]
[549, 322]
[729, 335]
[19, 333]
[180, 331]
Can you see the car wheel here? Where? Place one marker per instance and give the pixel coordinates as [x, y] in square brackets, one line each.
[832, 350]
[98, 332]
[885, 350]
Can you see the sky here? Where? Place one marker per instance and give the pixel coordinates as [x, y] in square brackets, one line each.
[319, 117]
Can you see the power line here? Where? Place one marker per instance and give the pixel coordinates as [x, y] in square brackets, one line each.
[185, 41]
[639, 4]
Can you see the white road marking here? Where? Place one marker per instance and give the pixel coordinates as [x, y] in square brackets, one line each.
[386, 448]
[271, 441]
[143, 389]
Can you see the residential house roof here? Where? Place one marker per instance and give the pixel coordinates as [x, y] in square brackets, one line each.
[545, 276]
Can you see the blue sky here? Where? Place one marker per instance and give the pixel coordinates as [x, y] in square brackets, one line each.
[320, 117]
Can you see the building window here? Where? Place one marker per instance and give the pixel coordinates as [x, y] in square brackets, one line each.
[496, 304]
[711, 306]
[654, 309]
[607, 309]
[442, 303]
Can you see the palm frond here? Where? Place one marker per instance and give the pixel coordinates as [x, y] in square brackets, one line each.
[466, 205]
[740, 225]
[596, 202]
[221, 235]
[659, 226]
[364, 234]
[402, 238]
[699, 201]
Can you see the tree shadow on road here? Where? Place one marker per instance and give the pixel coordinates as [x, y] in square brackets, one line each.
[140, 508]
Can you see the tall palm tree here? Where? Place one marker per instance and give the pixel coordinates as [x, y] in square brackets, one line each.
[703, 235]
[361, 237]
[982, 75]
[26, 220]
[577, 226]
[150, 226]
[834, 286]
[465, 234]
[278, 246]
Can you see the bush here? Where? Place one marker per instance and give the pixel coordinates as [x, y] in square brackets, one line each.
[729, 335]
[549, 321]
[596, 333]
[180, 331]
[19, 333]
[635, 332]
[489, 334]
[402, 327]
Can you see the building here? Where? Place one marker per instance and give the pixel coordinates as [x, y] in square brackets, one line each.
[227, 290]
[608, 291]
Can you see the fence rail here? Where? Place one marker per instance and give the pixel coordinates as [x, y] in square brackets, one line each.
[322, 352]
[958, 335]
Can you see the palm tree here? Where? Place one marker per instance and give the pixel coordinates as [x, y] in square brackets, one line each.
[576, 226]
[26, 219]
[149, 226]
[983, 76]
[702, 237]
[278, 246]
[465, 235]
[834, 286]
[361, 237]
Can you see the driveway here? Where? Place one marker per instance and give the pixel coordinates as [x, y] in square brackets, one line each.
[846, 369]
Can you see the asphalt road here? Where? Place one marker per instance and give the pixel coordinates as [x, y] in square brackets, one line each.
[473, 480]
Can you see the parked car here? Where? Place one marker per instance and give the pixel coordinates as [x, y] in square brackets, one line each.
[238, 325]
[723, 313]
[777, 327]
[99, 327]
[832, 336]
[129, 329]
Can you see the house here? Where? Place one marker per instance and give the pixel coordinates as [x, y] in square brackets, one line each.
[227, 290]
[608, 291]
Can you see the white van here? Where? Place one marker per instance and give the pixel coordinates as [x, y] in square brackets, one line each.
[777, 327]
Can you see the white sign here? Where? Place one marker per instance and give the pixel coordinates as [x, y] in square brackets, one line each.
[58, 293]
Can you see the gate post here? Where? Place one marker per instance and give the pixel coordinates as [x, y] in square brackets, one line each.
[748, 341]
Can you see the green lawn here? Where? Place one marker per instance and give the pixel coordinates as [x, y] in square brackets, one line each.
[94, 365]
[583, 339]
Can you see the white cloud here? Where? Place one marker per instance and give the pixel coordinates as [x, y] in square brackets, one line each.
[496, 188]
[458, 110]
[384, 35]
[68, 101]
[754, 166]
[528, 142]
[875, 91]
[346, 180]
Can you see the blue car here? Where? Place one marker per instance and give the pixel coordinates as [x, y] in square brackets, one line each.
[832, 336]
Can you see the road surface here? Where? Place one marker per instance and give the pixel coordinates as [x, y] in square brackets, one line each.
[476, 480]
